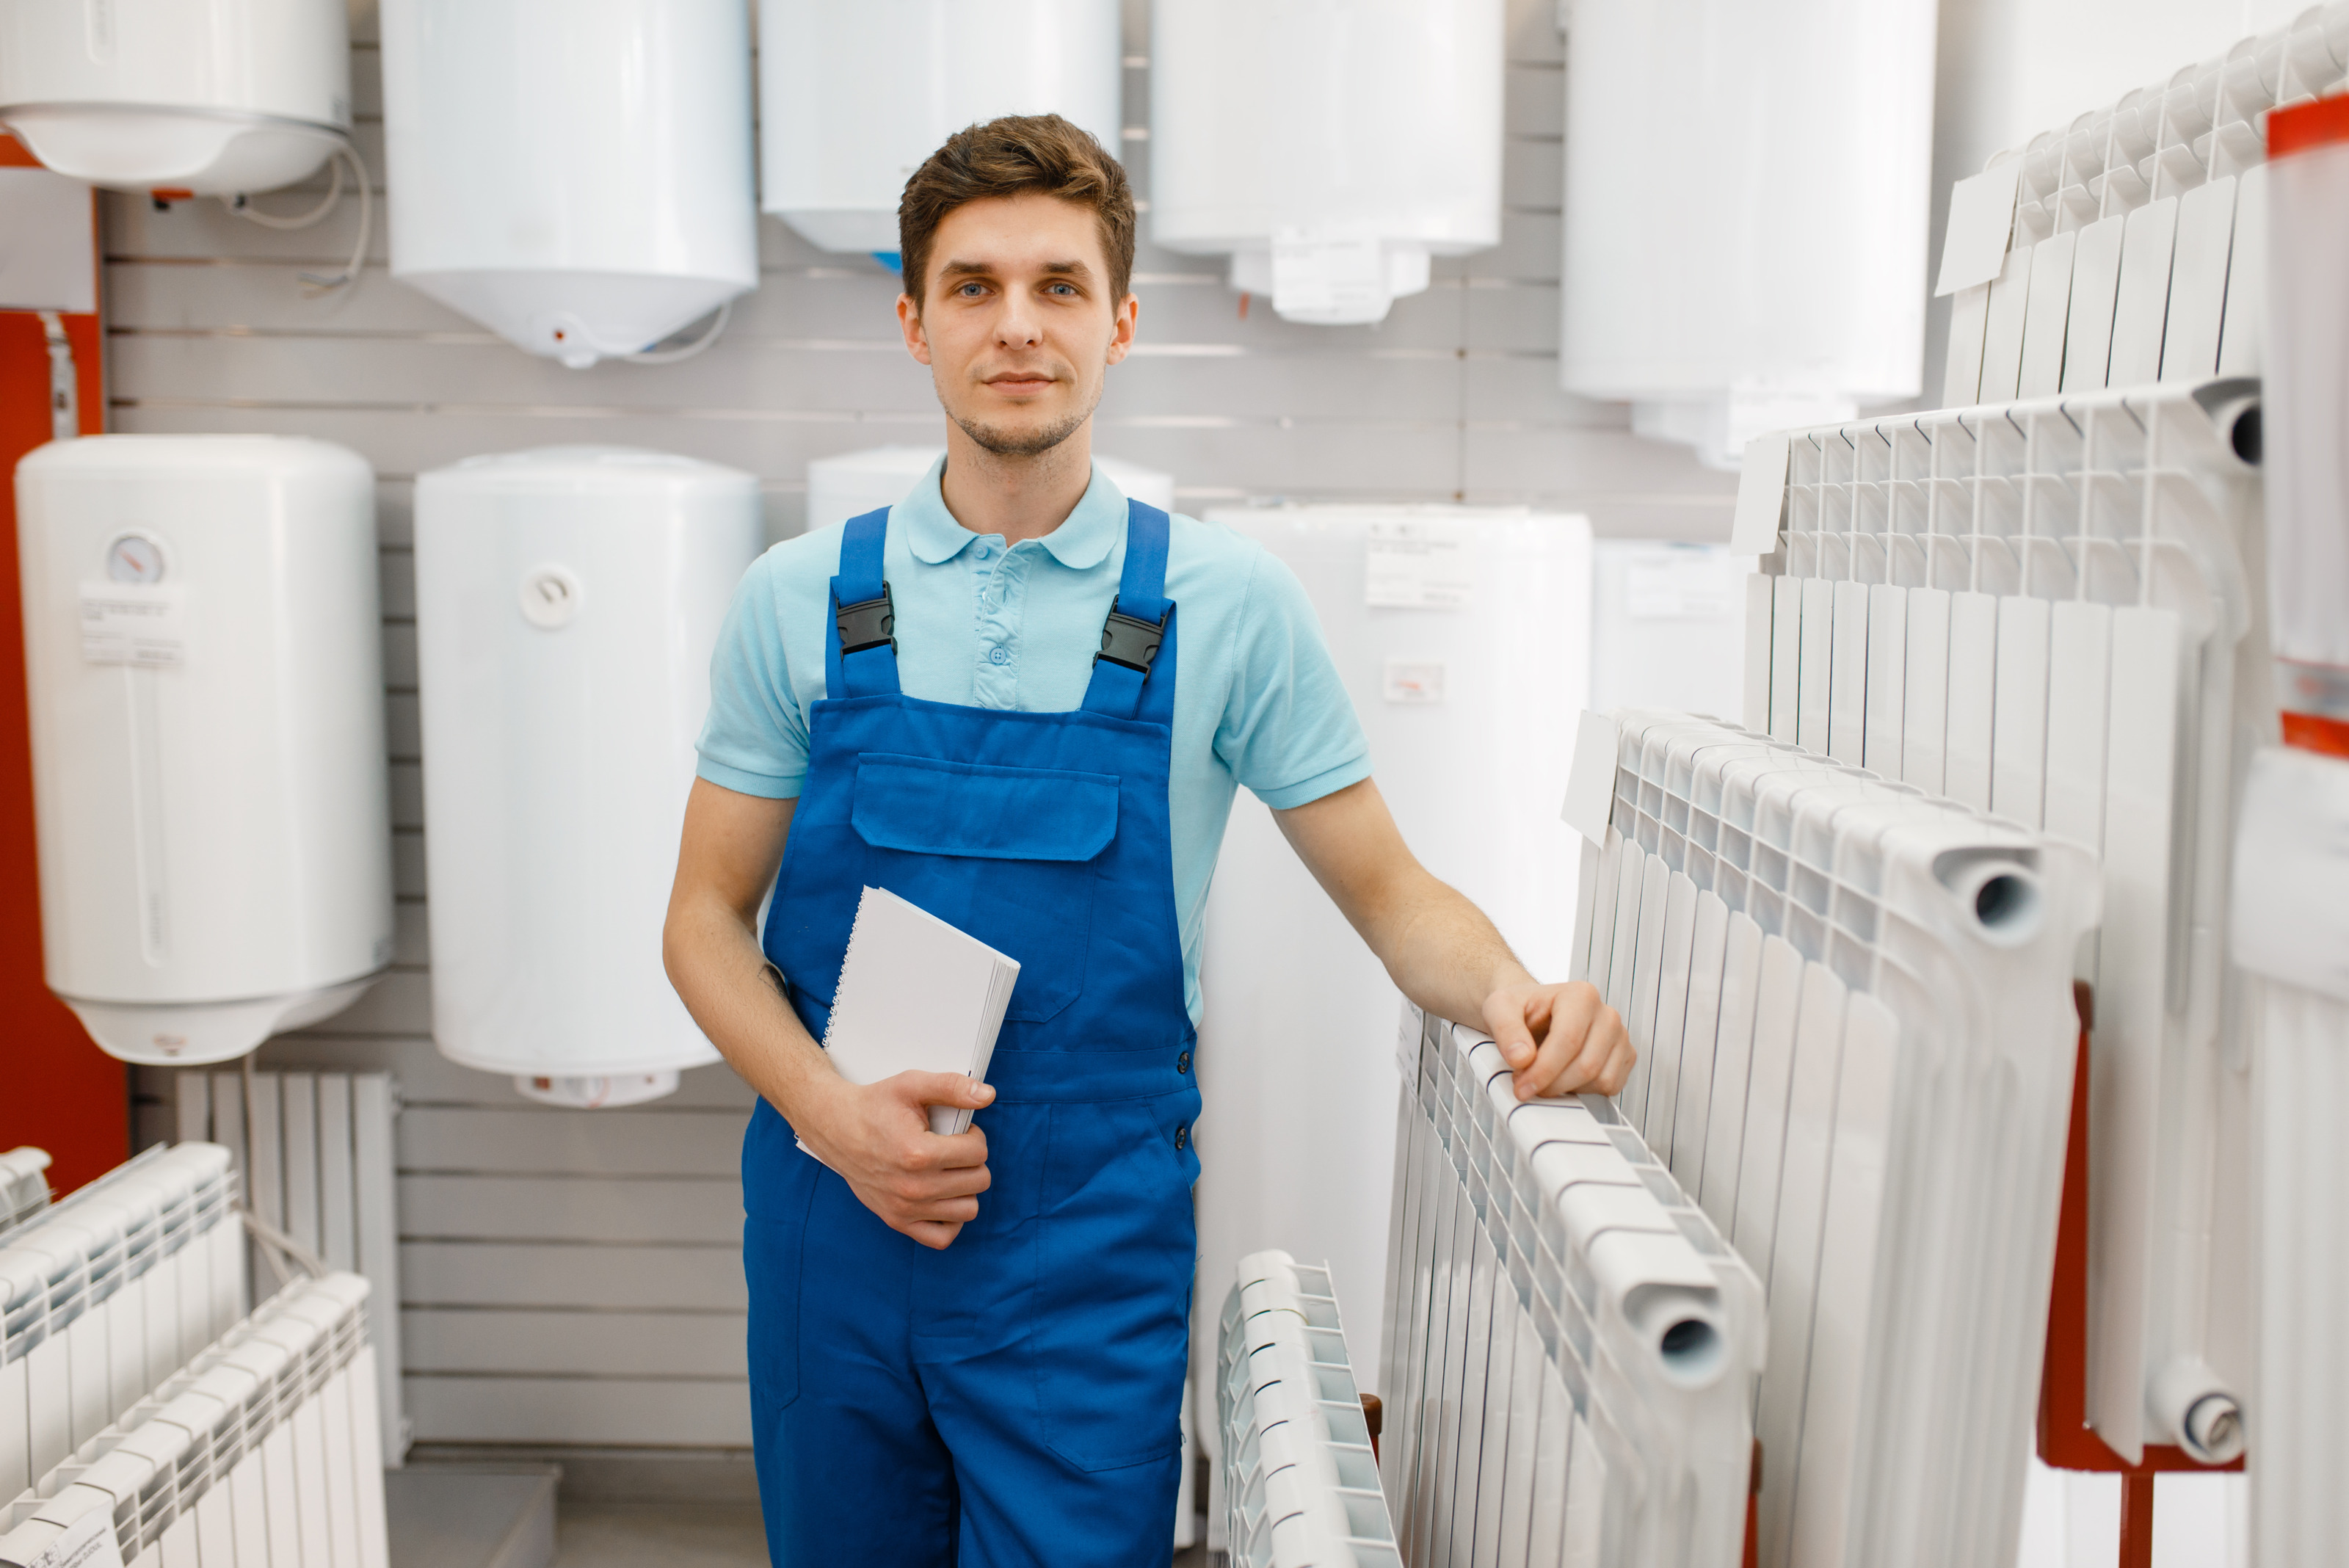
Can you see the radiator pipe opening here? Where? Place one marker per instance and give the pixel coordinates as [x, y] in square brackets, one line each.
[2199, 1412]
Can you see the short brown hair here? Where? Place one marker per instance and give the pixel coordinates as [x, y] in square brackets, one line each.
[1006, 156]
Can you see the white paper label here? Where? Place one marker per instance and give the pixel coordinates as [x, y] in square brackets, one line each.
[1690, 586]
[1417, 566]
[88, 1542]
[1323, 276]
[1414, 680]
[134, 623]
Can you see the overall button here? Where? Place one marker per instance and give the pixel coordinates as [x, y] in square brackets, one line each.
[1183, 1062]
[1182, 1135]
[997, 655]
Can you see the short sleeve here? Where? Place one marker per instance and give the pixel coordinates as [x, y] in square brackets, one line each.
[755, 741]
[1289, 730]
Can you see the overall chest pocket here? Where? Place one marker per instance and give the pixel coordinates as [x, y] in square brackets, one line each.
[1010, 855]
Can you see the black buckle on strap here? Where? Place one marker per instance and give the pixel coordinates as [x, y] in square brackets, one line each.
[871, 623]
[1131, 641]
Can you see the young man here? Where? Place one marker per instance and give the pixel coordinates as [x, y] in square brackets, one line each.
[1023, 704]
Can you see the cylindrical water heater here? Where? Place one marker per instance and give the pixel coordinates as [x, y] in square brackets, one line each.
[1330, 149]
[211, 96]
[1745, 212]
[575, 174]
[205, 660]
[853, 98]
[843, 486]
[566, 604]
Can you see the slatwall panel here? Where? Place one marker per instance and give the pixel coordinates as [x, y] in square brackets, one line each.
[574, 1277]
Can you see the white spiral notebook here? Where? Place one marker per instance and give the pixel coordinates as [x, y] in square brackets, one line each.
[916, 995]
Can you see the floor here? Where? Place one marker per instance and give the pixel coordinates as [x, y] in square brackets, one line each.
[598, 1534]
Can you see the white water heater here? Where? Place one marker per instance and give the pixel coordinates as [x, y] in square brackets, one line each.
[210, 96]
[853, 97]
[204, 663]
[566, 604]
[854, 483]
[1745, 201]
[1462, 638]
[1329, 149]
[575, 174]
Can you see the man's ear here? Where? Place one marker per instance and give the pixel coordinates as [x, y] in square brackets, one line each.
[909, 323]
[1121, 338]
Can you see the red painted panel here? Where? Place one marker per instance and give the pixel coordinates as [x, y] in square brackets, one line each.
[56, 1089]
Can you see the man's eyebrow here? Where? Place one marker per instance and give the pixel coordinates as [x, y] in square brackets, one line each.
[983, 269]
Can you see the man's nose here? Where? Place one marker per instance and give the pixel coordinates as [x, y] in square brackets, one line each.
[1019, 326]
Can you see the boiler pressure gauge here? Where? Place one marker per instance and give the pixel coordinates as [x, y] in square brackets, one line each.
[134, 558]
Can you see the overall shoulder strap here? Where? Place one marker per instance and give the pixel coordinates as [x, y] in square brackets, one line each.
[1134, 673]
[860, 647]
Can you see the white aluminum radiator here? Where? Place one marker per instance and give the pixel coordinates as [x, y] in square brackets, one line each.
[316, 1151]
[263, 1450]
[1853, 1007]
[1300, 1480]
[2129, 245]
[24, 1188]
[2292, 929]
[2054, 612]
[109, 1293]
[1571, 1347]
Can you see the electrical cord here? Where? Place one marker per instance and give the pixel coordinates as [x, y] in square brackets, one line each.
[313, 283]
[673, 356]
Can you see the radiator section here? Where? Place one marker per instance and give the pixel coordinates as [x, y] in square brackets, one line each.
[1852, 1007]
[106, 1294]
[316, 1150]
[1300, 1477]
[263, 1449]
[2052, 611]
[1571, 1345]
[2129, 245]
[2291, 932]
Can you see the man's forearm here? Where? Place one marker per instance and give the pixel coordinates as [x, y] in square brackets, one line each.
[734, 995]
[1440, 949]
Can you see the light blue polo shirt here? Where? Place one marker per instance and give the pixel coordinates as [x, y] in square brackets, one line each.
[1257, 700]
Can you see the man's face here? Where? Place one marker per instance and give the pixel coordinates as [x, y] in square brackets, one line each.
[1017, 325]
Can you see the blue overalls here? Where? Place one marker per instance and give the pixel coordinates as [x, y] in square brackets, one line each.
[1014, 1398]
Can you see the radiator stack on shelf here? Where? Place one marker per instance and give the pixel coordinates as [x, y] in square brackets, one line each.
[106, 1295]
[1853, 1007]
[263, 1449]
[1300, 1477]
[1570, 1346]
[2054, 612]
[2128, 246]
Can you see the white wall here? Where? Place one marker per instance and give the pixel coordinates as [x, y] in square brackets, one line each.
[573, 1277]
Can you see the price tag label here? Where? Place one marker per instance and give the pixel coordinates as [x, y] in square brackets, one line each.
[88, 1542]
[1417, 564]
[134, 623]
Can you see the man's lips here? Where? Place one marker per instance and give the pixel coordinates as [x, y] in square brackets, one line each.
[1019, 383]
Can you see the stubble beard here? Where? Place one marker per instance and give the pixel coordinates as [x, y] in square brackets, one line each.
[1005, 441]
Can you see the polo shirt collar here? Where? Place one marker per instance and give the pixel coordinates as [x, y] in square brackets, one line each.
[1082, 540]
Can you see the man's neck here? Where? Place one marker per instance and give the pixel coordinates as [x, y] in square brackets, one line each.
[1018, 497]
